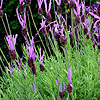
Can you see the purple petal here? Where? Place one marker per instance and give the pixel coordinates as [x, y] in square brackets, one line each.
[20, 2]
[18, 16]
[71, 85]
[95, 16]
[96, 23]
[60, 87]
[64, 86]
[45, 5]
[34, 89]
[49, 6]
[75, 12]
[57, 82]
[1, 4]
[83, 8]
[70, 74]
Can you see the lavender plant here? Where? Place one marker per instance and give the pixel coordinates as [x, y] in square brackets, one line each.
[39, 76]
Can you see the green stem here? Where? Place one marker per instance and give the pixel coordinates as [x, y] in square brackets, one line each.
[36, 87]
[4, 26]
[29, 24]
[67, 56]
[8, 23]
[37, 29]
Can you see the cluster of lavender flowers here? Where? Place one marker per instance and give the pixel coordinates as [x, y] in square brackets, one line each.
[69, 86]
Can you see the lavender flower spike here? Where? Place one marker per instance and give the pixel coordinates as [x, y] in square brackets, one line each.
[31, 53]
[41, 61]
[21, 20]
[10, 68]
[40, 3]
[61, 94]
[1, 4]
[70, 74]
[30, 50]
[69, 86]
[34, 89]
[47, 11]
[9, 40]
[40, 11]
[48, 15]
[41, 56]
[95, 16]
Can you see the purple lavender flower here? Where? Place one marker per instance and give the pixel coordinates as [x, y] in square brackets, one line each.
[77, 13]
[31, 53]
[44, 27]
[34, 89]
[48, 15]
[41, 61]
[10, 41]
[20, 64]
[22, 21]
[10, 67]
[83, 11]
[71, 3]
[69, 86]
[40, 11]
[55, 31]
[98, 37]
[61, 94]
[21, 7]
[59, 9]
[87, 10]
[1, 4]
[1, 12]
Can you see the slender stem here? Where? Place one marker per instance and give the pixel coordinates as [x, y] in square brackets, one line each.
[66, 14]
[54, 7]
[3, 95]
[4, 56]
[4, 26]
[36, 29]
[29, 24]
[90, 4]
[67, 97]
[67, 56]
[57, 80]
[36, 86]
[8, 23]
[47, 44]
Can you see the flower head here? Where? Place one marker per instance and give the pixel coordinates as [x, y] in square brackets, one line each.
[11, 39]
[22, 20]
[10, 67]
[69, 86]
[48, 15]
[61, 94]
[40, 11]
[31, 53]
